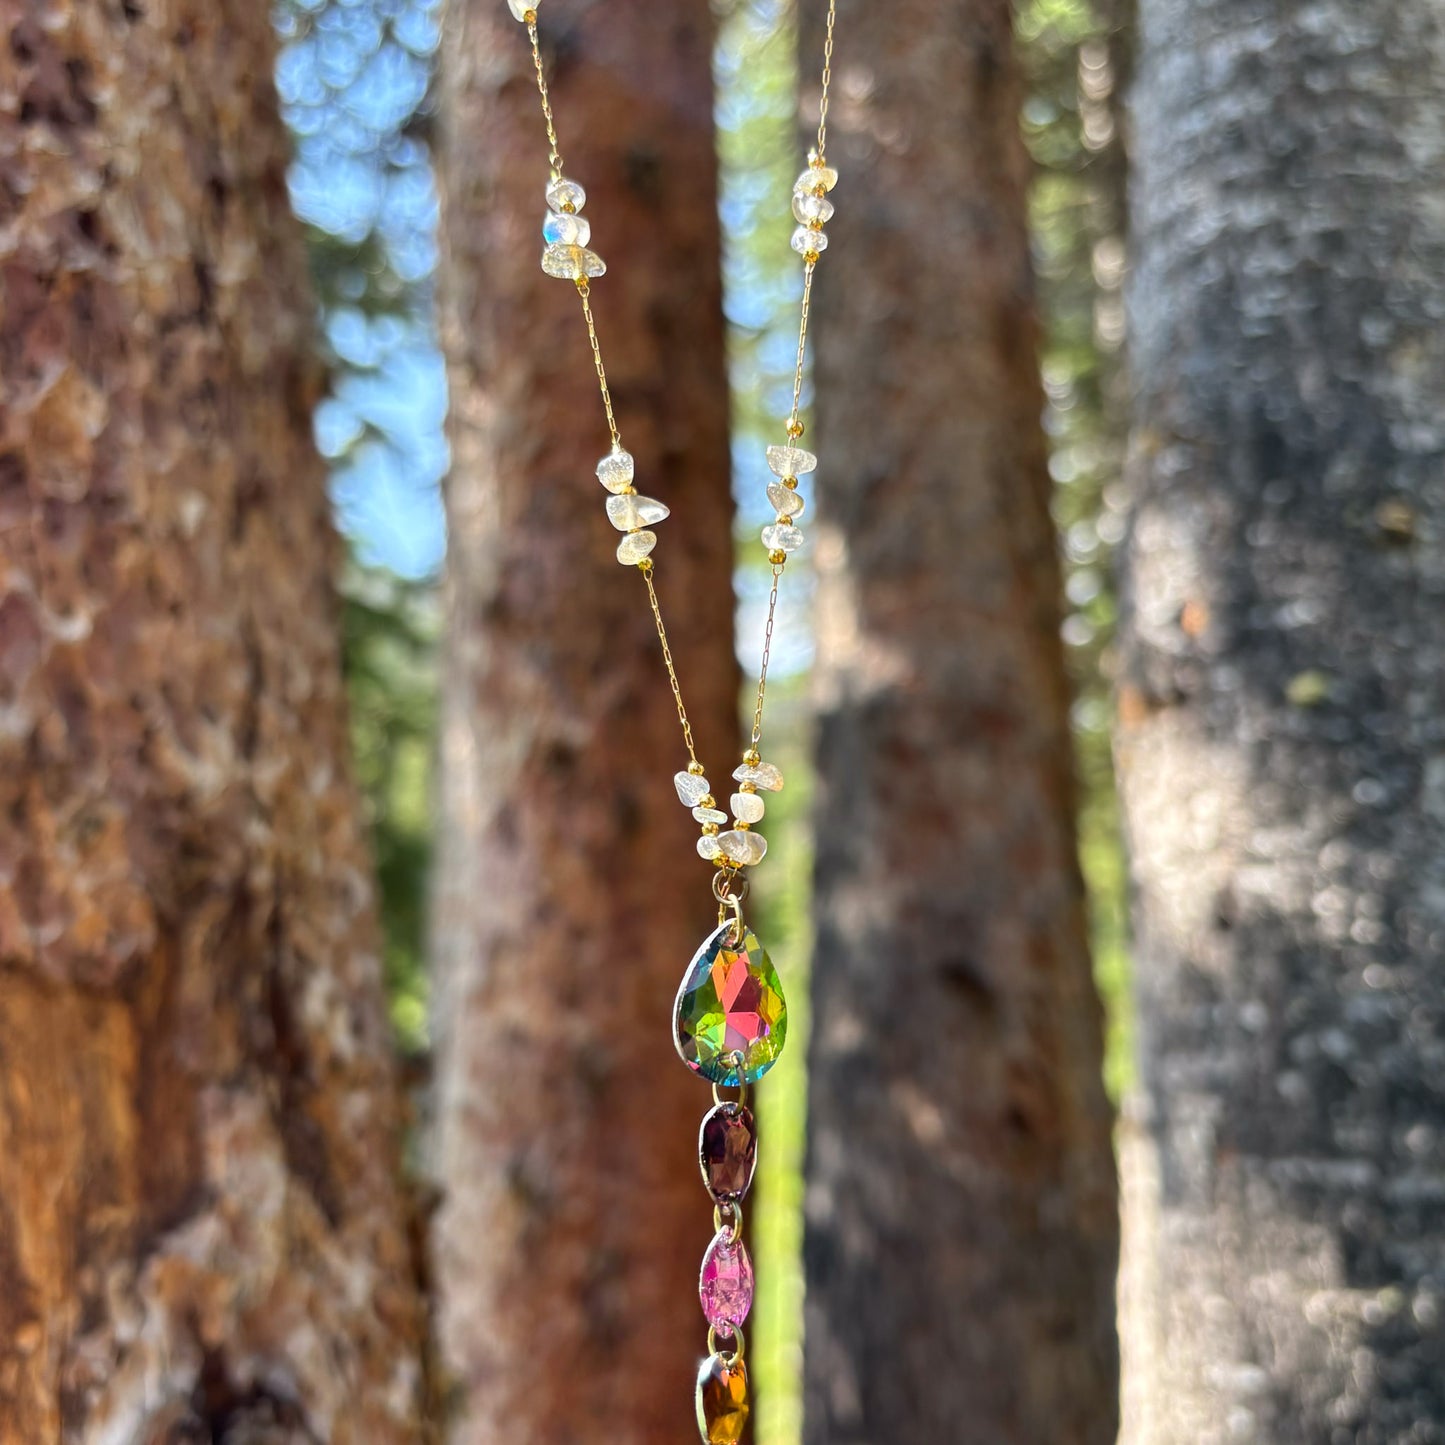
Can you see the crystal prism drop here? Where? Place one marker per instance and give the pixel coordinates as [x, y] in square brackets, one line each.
[748, 807]
[727, 1149]
[709, 815]
[763, 775]
[615, 470]
[782, 537]
[725, 1282]
[786, 501]
[730, 1020]
[635, 546]
[567, 230]
[808, 208]
[563, 194]
[692, 788]
[808, 242]
[628, 511]
[743, 846]
[791, 461]
[722, 1400]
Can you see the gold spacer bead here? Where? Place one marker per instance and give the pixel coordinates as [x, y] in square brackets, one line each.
[706, 801]
[791, 483]
[645, 567]
[696, 768]
[752, 757]
[709, 830]
[813, 257]
[740, 826]
[747, 787]
[778, 558]
[795, 430]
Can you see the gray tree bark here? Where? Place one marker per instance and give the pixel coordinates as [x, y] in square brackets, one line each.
[570, 896]
[961, 1233]
[202, 1233]
[1282, 717]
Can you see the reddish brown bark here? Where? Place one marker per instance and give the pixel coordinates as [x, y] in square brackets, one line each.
[961, 1228]
[570, 895]
[201, 1236]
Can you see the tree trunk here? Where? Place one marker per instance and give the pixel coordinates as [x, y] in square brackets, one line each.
[961, 1228]
[570, 895]
[1282, 739]
[201, 1233]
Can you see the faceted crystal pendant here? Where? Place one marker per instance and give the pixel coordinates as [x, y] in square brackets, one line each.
[727, 1149]
[692, 788]
[564, 195]
[808, 208]
[730, 1020]
[817, 179]
[628, 511]
[572, 263]
[786, 501]
[615, 470]
[722, 1400]
[519, 8]
[763, 775]
[808, 242]
[743, 846]
[791, 462]
[782, 537]
[708, 847]
[725, 1283]
[748, 807]
[567, 230]
[635, 546]
[710, 815]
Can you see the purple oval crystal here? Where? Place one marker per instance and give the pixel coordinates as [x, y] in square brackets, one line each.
[728, 1151]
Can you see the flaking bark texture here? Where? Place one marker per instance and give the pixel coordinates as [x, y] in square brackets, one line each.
[570, 895]
[201, 1234]
[961, 1233]
[1282, 728]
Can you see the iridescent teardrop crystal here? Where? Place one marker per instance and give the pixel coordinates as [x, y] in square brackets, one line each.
[730, 1020]
[727, 1150]
[722, 1399]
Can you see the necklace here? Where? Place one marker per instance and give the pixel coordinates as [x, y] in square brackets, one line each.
[730, 1019]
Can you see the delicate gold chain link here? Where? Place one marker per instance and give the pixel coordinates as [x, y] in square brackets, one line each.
[554, 154]
[585, 292]
[795, 427]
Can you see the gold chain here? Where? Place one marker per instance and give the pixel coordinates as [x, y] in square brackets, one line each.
[778, 560]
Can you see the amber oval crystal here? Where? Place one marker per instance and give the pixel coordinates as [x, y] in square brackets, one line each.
[728, 1151]
[722, 1399]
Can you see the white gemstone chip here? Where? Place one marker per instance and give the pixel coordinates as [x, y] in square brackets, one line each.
[786, 501]
[807, 242]
[692, 788]
[748, 807]
[615, 470]
[709, 847]
[816, 178]
[563, 193]
[519, 8]
[791, 462]
[808, 208]
[782, 537]
[745, 847]
[561, 229]
[763, 775]
[572, 263]
[709, 815]
[629, 511]
[635, 546]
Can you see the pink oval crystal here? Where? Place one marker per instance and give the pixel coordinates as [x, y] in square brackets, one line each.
[725, 1286]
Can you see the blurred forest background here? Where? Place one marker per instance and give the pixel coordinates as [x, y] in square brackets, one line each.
[355, 83]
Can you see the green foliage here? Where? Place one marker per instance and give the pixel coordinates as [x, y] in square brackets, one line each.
[390, 632]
